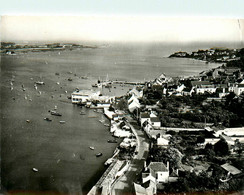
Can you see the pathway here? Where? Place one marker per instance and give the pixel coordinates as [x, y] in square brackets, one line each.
[124, 184]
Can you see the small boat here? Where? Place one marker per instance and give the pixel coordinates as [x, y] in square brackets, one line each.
[40, 83]
[91, 147]
[35, 169]
[109, 161]
[112, 141]
[62, 122]
[28, 121]
[48, 119]
[101, 120]
[69, 79]
[106, 125]
[55, 113]
[99, 154]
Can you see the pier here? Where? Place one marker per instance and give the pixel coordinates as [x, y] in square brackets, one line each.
[108, 177]
[128, 83]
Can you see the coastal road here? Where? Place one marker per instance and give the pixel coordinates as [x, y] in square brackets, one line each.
[124, 184]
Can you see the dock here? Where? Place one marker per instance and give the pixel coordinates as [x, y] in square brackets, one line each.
[108, 177]
[128, 82]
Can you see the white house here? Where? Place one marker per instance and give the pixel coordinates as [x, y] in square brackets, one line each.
[151, 189]
[144, 117]
[136, 92]
[83, 96]
[133, 105]
[203, 89]
[231, 87]
[238, 89]
[162, 141]
[160, 170]
[155, 122]
[133, 98]
[180, 88]
[239, 131]
[147, 127]
[211, 141]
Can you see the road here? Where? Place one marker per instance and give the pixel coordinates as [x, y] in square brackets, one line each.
[124, 184]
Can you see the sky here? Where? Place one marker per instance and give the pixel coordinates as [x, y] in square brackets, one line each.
[129, 29]
[181, 21]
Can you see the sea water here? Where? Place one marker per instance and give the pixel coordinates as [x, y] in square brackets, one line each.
[61, 152]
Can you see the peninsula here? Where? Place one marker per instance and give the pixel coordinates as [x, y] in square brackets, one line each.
[180, 135]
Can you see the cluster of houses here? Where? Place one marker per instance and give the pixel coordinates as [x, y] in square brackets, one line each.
[156, 174]
[213, 54]
[221, 80]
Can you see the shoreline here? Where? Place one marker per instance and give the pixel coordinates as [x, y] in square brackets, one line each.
[99, 115]
[138, 143]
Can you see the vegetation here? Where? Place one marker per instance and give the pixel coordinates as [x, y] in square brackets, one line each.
[238, 63]
[195, 111]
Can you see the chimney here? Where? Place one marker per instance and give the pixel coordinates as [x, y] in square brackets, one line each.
[168, 165]
[177, 172]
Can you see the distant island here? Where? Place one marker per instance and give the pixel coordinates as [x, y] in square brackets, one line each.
[10, 47]
[211, 55]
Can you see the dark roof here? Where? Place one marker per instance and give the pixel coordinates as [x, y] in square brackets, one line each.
[158, 167]
[155, 119]
[145, 115]
[240, 85]
[196, 83]
[222, 85]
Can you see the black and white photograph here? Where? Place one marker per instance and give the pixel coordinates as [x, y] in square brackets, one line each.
[121, 104]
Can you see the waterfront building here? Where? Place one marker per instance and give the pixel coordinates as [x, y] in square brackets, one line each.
[159, 170]
[137, 93]
[239, 89]
[83, 96]
[133, 105]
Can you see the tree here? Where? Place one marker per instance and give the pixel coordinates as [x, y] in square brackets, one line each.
[221, 148]
[200, 139]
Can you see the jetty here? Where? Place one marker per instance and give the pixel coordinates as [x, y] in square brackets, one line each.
[103, 185]
[128, 82]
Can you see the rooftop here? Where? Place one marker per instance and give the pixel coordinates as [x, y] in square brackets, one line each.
[158, 167]
[195, 83]
[145, 115]
[155, 119]
[233, 170]
[240, 85]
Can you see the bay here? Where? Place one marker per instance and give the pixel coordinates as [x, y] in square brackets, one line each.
[61, 152]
